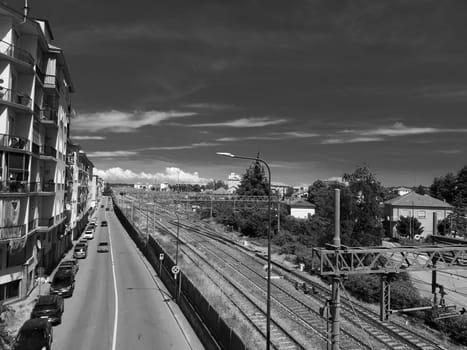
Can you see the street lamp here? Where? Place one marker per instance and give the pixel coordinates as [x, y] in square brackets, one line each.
[268, 298]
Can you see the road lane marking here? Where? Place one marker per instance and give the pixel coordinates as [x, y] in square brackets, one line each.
[114, 337]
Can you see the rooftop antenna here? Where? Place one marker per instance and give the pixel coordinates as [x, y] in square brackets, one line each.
[25, 10]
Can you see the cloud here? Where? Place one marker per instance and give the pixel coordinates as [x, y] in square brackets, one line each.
[88, 137]
[111, 154]
[171, 175]
[117, 121]
[335, 141]
[205, 105]
[169, 148]
[449, 151]
[244, 123]
[399, 129]
[273, 136]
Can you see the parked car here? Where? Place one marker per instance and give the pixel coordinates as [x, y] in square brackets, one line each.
[63, 284]
[34, 334]
[71, 264]
[102, 205]
[103, 247]
[107, 209]
[49, 307]
[103, 223]
[88, 234]
[80, 251]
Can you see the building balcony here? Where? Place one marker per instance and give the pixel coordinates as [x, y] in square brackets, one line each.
[15, 52]
[35, 148]
[45, 222]
[47, 151]
[48, 116]
[14, 186]
[15, 142]
[51, 82]
[12, 232]
[15, 98]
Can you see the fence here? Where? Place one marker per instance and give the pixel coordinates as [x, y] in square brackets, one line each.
[213, 332]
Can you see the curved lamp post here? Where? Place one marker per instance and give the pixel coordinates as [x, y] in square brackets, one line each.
[268, 298]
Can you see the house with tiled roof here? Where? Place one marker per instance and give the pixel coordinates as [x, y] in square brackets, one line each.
[424, 208]
[302, 209]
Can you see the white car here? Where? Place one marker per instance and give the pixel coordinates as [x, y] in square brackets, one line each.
[88, 234]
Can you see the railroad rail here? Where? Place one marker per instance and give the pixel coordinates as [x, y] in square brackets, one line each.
[392, 335]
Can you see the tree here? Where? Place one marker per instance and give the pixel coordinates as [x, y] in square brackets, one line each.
[444, 188]
[420, 190]
[254, 181]
[408, 226]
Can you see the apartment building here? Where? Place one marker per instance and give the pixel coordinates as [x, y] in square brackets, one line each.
[79, 193]
[35, 107]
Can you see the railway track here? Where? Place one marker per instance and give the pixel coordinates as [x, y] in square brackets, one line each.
[300, 308]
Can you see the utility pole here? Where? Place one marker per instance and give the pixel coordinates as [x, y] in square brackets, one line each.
[335, 294]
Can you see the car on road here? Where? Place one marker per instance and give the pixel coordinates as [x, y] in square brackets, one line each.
[103, 247]
[88, 234]
[71, 264]
[49, 307]
[34, 334]
[63, 284]
[102, 205]
[107, 209]
[103, 223]
[80, 251]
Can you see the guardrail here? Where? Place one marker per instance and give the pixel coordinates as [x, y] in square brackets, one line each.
[45, 150]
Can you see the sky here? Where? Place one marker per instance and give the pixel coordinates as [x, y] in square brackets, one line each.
[317, 88]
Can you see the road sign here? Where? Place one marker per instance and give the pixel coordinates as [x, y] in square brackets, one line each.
[175, 269]
[161, 256]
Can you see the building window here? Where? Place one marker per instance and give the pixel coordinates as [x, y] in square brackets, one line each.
[9, 290]
[421, 214]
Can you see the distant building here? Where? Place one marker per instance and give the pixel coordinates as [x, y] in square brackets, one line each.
[421, 207]
[163, 187]
[402, 191]
[233, 181]
[302, 209]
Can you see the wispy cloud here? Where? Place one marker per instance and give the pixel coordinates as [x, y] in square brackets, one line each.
[117, 121]
[170, 175]
[272, 136]
[206, 105]
[87, 137]
[449, 151]
[169, 148]
[111, 154]
[399, 129]
[244, 123]
[335, 141]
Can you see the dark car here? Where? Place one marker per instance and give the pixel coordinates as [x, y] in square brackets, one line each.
[71, 265]
[103, 247]
[103, 223]
[34, 334]
[49, 307]
[102, 205]
[80, 251]
[63, 284]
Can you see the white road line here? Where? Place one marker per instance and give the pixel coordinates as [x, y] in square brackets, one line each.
[114, 337]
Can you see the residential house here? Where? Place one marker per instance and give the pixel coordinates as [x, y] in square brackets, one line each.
[424, 208]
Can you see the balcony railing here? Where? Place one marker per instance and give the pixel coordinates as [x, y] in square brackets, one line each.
[32, 224]
[51, 81]
[35, 148]
[14, 186]
[48, 186]
[45, 222]
[13, 96]
[11, 232]
[15, 52]
[16, 142]
[45, 150]
[48, 114]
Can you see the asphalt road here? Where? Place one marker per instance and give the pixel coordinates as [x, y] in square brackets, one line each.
[147, 317]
